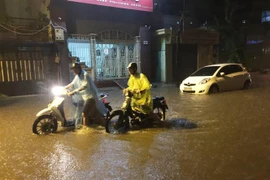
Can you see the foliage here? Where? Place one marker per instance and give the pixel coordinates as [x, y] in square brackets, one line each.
[46, 16]
[41, 21]
[232, 38]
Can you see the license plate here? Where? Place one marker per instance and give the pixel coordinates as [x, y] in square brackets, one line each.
[188, 88]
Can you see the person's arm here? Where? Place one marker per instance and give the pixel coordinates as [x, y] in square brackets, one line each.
[71, 85]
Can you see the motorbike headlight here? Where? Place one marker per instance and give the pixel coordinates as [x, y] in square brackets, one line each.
[58, 91]
[204, 81]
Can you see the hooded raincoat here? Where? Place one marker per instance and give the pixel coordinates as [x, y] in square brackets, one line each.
[85, 87]
[142, 101]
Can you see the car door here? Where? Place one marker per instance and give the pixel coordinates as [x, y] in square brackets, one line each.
[238, 75]
[225, 82]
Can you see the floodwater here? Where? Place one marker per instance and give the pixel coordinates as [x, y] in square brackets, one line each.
[231, 142]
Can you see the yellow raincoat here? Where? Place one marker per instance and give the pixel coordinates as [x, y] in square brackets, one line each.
[142, 101]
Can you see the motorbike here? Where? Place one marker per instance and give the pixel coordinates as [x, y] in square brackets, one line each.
[48, 118]
[126, 117]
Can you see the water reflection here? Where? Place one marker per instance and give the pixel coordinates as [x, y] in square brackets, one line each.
[225, 136]
[62, 162]
[182, 123]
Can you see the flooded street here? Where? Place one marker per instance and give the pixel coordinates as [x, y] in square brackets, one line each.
[231, 142]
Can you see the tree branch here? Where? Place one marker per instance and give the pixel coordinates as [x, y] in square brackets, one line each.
[216, 20]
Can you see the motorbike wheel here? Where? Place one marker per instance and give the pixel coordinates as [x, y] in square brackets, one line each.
[44, 125]
[116, 123]
[161, 112]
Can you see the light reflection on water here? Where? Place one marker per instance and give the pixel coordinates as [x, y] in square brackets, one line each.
[230, 126]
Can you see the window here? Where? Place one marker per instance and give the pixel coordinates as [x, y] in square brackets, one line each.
[206, 71]
[231, 69]
[266, 16]
[235, 69]
[81, 50]
[225, 70]
[254, 41]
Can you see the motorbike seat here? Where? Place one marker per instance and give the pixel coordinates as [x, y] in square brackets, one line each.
[158, 98]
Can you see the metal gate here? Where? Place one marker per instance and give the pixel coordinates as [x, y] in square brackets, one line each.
[20, 70]
[112, 60]
[107, 53]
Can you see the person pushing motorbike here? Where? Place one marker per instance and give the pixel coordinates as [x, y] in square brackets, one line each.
[139, 86]
[92, 107]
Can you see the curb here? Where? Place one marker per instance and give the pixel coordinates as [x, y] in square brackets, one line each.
[3, 96]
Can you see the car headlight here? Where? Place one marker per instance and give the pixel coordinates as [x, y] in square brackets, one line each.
[204, 81]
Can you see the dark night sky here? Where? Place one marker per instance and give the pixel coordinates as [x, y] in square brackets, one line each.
[204, 10]
[198, 10]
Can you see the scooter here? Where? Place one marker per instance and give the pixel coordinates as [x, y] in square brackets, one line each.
[126, 117]
[48, 118]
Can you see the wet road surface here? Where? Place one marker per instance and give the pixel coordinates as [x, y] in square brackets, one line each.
[231, 142]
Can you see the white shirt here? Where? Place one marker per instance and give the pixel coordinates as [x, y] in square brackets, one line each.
[87, 89]
[82, 82]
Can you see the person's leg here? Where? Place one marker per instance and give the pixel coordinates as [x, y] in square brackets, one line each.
[148, 110]
[95, 114]
[154, 116]
[86, 111]
[80, 110]
[156, 119]
[91, 113]
[78, 114]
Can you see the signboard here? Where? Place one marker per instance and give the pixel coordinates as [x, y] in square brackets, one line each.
[139, 5]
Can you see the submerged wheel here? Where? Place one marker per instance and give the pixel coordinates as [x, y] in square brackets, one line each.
[116, 123]
[161, 112]
[213, 89]
[247, 84]
[44, 125]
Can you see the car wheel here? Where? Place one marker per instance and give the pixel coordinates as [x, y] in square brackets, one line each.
[213, 89]
[247, 84]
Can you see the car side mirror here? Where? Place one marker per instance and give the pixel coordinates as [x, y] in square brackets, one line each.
[222, 74]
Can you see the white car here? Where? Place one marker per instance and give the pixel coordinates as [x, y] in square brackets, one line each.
[217, 78]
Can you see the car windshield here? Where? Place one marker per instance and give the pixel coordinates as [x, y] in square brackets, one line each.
[206, 71]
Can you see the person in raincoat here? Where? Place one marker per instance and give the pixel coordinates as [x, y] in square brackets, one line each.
[139, 86]
[93, 108]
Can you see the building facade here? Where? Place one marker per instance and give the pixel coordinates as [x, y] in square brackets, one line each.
[41, 37]
[106, 39]
[27, 52]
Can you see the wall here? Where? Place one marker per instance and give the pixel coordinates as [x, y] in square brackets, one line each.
[184, 61]
[162, 63]
[205, 39]
[169, 63]
[26, 9]
[205, 55]
[94, 19]
[145, 53]
[24, 17]
[92, 26]
[162, 60]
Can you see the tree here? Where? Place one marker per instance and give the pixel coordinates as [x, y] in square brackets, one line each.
[232, 38]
